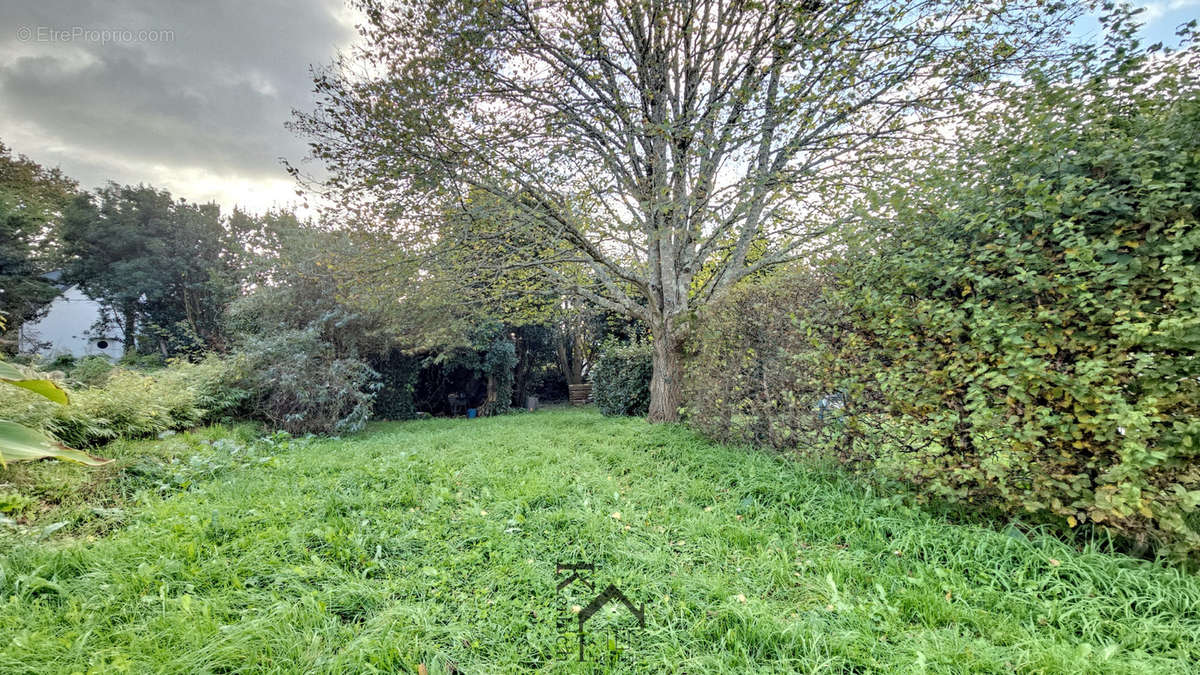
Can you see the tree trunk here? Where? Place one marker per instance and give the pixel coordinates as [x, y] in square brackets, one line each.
[130, 329]
[489, 402]
[666, 384]
[521, 377]
[570, 357]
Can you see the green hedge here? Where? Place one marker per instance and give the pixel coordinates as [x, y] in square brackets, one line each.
[621, 379]
[765, 365]
[1026, 336]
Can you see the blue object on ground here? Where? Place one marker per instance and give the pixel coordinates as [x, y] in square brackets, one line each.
[471, 413]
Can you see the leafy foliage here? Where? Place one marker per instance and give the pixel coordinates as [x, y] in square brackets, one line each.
[20, 443]
[164, 267]
[621, 378]
[497, 365]
[670, 149]
[397, 384]
[1045, 334]
[38, 385]
[132, 404]
[491, 354]
[299, 384]
[91, 371]
[765, 363]
[302, 347]
[1026, 334]
[32, 198]
[303, 286]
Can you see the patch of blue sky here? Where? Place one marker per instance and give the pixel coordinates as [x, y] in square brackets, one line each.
[1160, 21]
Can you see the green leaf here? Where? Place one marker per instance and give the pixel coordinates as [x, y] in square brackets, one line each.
[22, 444]
[47, 388]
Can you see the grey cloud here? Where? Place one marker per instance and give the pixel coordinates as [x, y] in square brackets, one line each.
[214, 97]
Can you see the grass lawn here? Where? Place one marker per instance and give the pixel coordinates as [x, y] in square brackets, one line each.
[436, 541]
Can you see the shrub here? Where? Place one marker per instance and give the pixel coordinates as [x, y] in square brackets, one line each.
[1026, 335]
[765, 364]
[131, 404]
[92, 371]
[398, 380]
[298, 384]
[136, 361]
[134, 404]
[1042, 337]
[621, 379]
[217, 382]
[497, 365]
[60, 362]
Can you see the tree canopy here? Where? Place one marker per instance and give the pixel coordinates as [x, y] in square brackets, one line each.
[651, 139]
[166, 267]
[32, 198]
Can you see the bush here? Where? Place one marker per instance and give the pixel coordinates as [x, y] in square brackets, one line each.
[621, 379]
[92, 371]
[298, 384]
[398, 380]
[60, 362]
[217, 384]
[497, 365]
[1027, 334]
[291, 381]
[131, 404]
[1042, 337]
[765, 364]
[136, 361]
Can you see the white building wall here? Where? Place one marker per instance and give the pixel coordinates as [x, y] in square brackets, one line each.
[67, 327]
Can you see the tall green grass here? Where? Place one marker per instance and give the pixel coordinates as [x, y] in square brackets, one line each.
[435, 542]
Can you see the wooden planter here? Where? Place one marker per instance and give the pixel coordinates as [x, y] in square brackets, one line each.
[579, 393]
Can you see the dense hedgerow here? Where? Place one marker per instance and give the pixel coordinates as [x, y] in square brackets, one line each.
[621, 379]
[766, 363]
[1026, 335]
[291, 381]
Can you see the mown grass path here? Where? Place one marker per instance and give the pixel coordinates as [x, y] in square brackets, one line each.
[435, 542]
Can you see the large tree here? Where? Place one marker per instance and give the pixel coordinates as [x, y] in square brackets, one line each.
[167, 268]
[32, 198]
[652, 139]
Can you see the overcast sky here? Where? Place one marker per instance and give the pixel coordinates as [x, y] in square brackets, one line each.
[195, 105]
[193, 97]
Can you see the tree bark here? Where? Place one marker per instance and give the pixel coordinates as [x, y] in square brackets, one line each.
[666, 383]
[488, 407]
[564, 361]
[521, 374]
[130, 329]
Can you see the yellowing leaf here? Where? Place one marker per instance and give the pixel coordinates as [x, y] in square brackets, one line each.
[42, 387]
